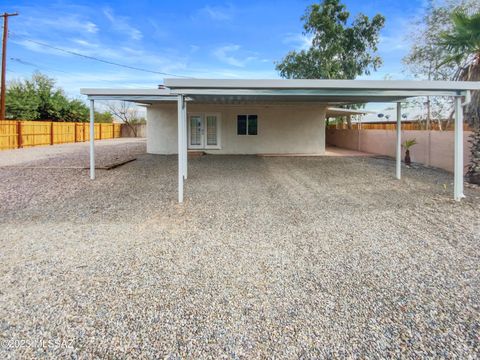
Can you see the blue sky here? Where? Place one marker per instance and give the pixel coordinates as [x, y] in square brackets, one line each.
[218, 39]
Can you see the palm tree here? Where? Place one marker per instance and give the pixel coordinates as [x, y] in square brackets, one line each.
[462, 43]
[407, 145]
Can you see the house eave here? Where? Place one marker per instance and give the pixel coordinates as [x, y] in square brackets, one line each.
[410, 85]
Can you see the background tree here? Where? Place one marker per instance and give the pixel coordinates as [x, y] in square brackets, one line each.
[426, 59]
[338, 51]
[39, 99]
[103, 117]
[127, 113]
[462, 44]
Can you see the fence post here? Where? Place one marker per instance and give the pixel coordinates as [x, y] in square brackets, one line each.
[51, 133]
[84, 137]
[100, 132]
[19, 134]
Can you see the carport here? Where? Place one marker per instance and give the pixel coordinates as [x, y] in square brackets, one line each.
[329, 92]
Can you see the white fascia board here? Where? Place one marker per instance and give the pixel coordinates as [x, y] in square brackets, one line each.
[317, 92]
[125, 92]
[132, 98]
[321, 84]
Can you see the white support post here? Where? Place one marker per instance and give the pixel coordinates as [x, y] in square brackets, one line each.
[458, 166]
[92, 140]
[185, 140]
[399, 142]
[180, 148]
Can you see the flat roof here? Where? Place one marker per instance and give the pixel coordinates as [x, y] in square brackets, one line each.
[330, 92]
[143, 96]
[320, 84]
[116, 91]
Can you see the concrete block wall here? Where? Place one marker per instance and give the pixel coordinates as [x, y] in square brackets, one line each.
[434, 148]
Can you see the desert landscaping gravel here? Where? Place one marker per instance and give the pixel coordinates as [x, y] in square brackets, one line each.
[313, 257]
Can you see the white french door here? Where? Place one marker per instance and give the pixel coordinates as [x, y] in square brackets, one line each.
[204, 131]
[196, 132]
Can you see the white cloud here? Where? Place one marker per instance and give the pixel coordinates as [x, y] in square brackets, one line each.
[91, 27]
[219, 13]
[63, 22]
[167, 62]
[38, 48]
[158, 31]
[393, 43]
[298, 41]
[224, 54]
[83, 43]
[121, 24]
[237, 73]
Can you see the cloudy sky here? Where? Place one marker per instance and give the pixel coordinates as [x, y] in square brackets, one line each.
[218, 39]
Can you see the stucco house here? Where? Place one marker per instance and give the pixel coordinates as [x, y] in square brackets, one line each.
[224, 116]
[239, 129]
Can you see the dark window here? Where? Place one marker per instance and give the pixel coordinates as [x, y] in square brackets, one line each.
[242, 125]
[252, 125]
[247, 124]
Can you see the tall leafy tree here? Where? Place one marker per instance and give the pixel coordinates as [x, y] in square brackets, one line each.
[426, 58]
[39, 99]
[462, 44]
[339, 50]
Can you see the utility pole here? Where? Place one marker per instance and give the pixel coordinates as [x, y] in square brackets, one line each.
[4, 62]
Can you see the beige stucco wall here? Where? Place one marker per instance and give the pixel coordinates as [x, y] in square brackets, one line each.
[282, 128]
[434, 148]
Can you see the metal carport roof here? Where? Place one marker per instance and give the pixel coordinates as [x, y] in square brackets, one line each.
[330, 92]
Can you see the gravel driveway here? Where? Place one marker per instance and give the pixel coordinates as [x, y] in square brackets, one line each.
[268, 257]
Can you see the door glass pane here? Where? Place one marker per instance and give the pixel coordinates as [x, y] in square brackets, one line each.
[252, 125]
[211, 130]
[195, 130]
[242, 125]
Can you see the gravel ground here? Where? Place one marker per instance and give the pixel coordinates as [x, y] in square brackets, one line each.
[74, 155]
[268, 257]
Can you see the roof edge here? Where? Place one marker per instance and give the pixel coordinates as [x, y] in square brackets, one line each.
[321, 84]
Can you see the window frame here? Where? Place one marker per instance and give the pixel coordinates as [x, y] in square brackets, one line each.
[246, 124]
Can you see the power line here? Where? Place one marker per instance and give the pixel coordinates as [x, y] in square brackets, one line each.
[23, 62]
[102, 60]
[42, 67]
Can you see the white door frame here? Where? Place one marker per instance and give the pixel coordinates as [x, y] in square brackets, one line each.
[202, 134]
[203, 117]
[219, 130]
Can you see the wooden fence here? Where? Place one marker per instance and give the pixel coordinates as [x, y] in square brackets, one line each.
[19, 134]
